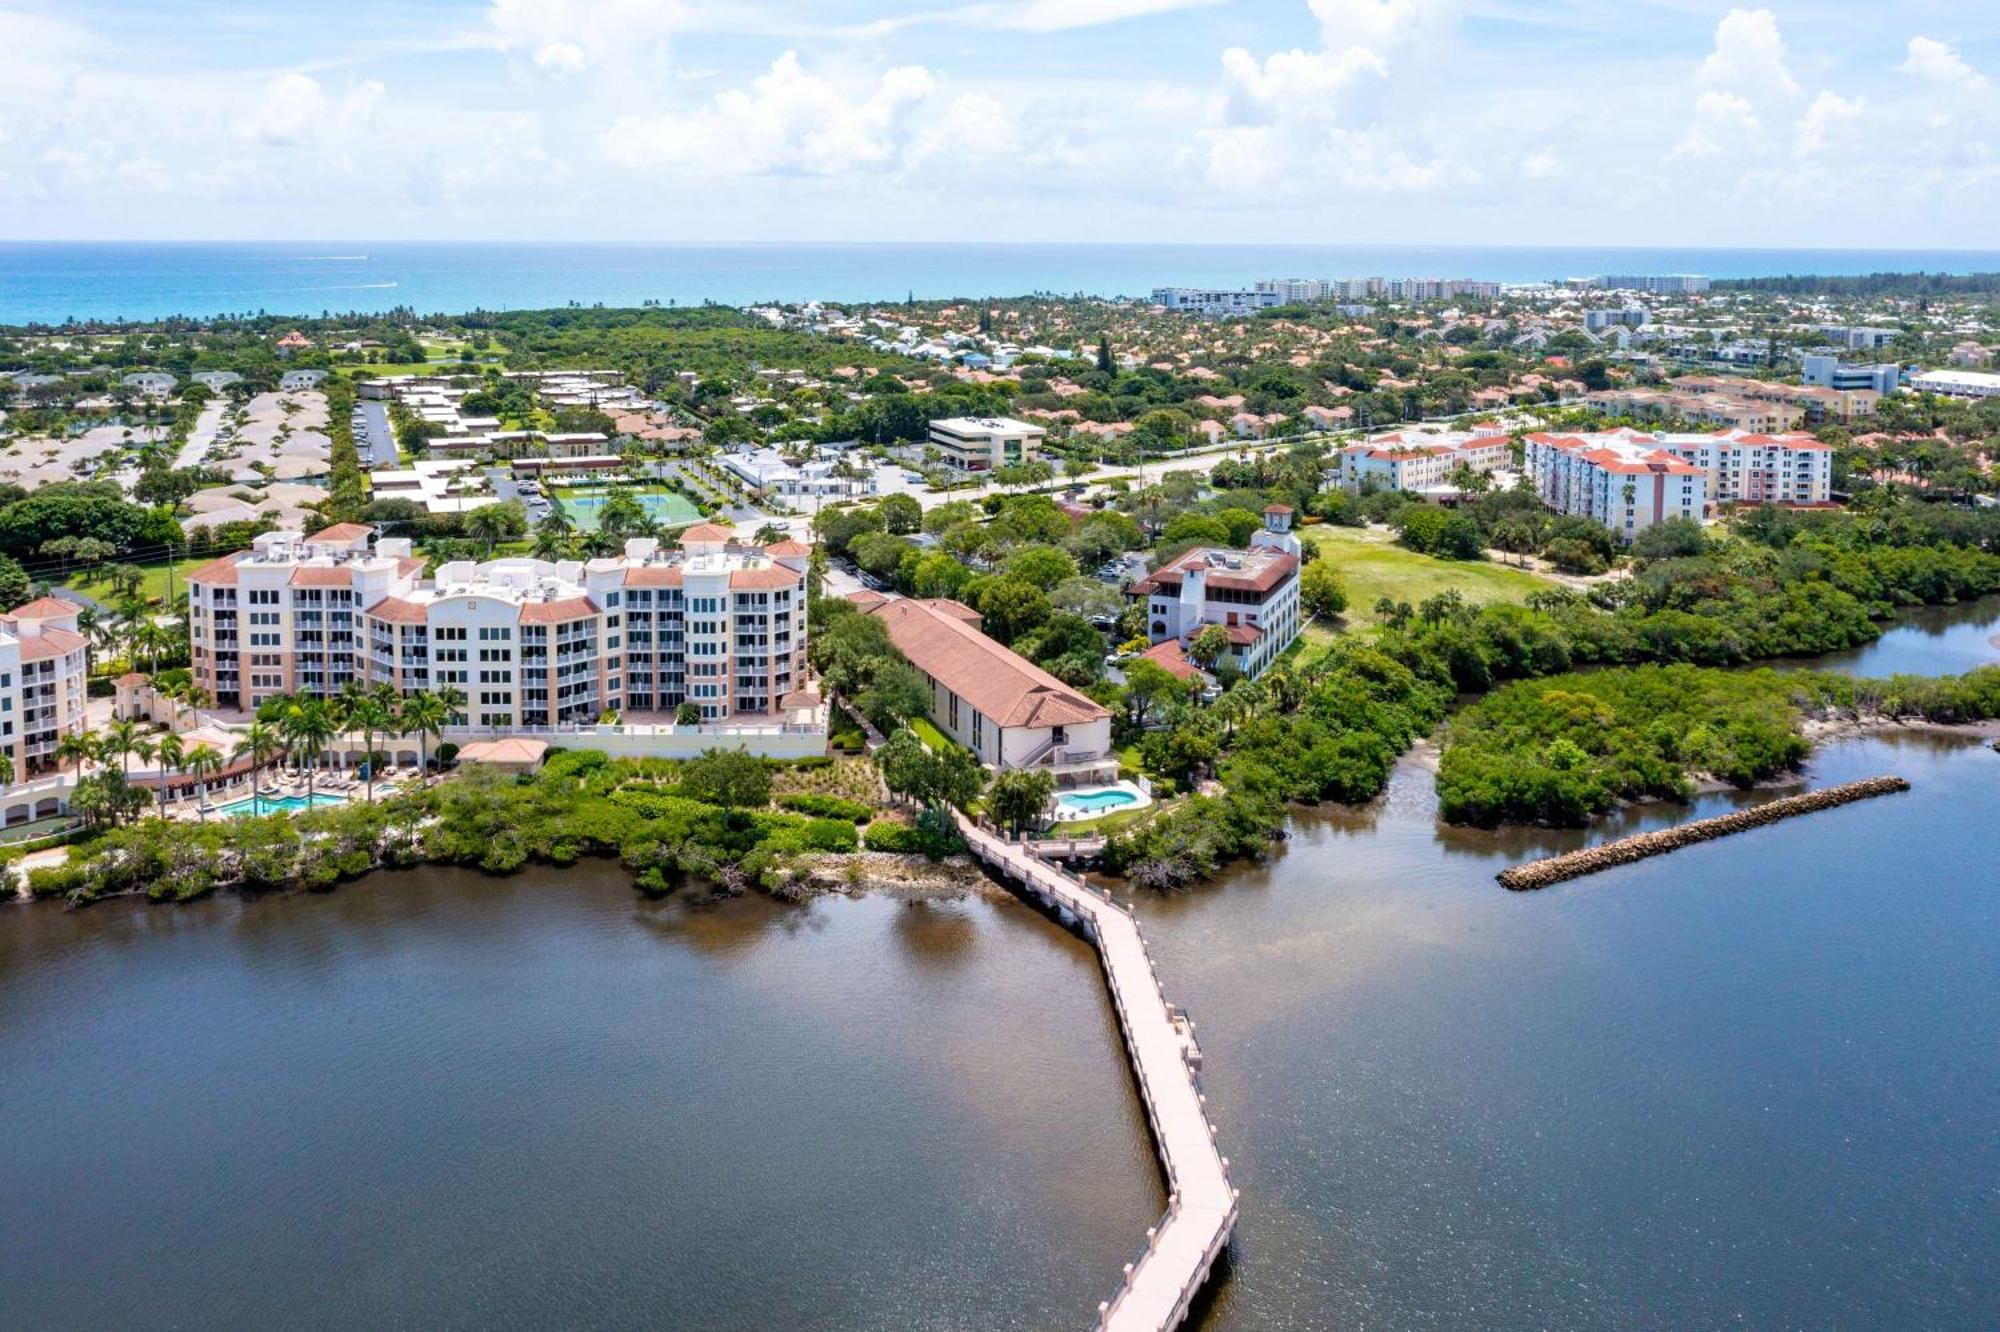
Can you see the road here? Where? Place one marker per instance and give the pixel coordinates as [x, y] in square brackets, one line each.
[202, 435]
[374, 440]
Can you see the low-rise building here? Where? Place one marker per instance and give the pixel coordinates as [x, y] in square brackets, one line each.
[1832, 372]
[1253, 594]
[1758, 469]
[1216, 302]
[1003, 707]
[1417, 459]
[982, 443]
[1957, 383]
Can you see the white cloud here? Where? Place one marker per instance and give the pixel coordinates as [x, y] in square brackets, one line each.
[1378, 24]
[1723, 122]
[788, 121]
[1749, 55]
[1064, 15]
[573, 36]
[294, 109]
[1306, 85]
[1828, 112]
[1541, 165]
[1935, 62]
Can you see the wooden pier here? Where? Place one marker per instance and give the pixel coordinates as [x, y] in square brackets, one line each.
[1181, 1247]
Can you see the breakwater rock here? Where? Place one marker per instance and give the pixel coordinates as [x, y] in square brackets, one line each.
[1575, 864]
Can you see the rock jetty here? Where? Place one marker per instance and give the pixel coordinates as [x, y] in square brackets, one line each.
[1575, 864]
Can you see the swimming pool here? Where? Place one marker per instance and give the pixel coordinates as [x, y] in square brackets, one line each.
[1092, 801]
[252, 806]
[664, 507]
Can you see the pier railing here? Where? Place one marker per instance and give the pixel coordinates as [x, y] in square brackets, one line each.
[1181, 1248]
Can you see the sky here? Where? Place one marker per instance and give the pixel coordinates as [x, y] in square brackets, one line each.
[1507, 122]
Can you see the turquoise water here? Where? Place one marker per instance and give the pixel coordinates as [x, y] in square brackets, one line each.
[50, 281]
[263, 804]
[662, 506]
[1096, 802]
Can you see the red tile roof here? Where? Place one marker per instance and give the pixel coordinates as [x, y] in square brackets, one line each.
[703, 532]
[321, 575]
[556, 612]
[769, 577]
[51, 643]
[44, 608]
[1005, 688]
[1169, 656]
[395, 610]
[217, 573]
[788, 548]
[653, 575]
[341, 532]
[1274, 569]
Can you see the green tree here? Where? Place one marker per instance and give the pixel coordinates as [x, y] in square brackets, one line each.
[729, 778]
[1018, 799]
[1322, 591]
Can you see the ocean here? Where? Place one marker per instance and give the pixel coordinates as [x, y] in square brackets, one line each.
[53, 282]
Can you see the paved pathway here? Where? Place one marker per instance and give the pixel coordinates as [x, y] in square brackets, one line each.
[202, 435]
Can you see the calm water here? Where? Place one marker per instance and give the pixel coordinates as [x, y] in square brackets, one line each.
[52, 282]
[1755, 1083]
[442, 1100]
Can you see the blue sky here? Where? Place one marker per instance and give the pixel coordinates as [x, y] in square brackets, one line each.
[1386, 121]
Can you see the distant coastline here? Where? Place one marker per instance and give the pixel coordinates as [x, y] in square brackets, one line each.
[50, 281]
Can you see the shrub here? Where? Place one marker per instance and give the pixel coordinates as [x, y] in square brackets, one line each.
[896, 838]
[826, 807]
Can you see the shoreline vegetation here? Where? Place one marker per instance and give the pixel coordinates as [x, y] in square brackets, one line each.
[726, 820]
[1575, 864]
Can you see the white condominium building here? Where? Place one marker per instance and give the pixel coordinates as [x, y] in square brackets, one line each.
[1419, 459]
[43, 675]
[1216, 302]
[529, 642]
[1253, 594]
[981, 443]
[1749, 468]
[1624, 480]
[1957, 383]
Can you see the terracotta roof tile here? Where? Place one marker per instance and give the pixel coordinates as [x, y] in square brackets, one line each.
[341, 532]
[396, 610]
[217, 573]
[44, 608]
[1004, 687]
[653, 575]
[322, 575]
[51, 643]
[556, 612]
[767, 578]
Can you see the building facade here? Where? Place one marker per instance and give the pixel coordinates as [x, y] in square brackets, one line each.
[1418, 459]
[528, 642]
[1216, 302]
[44, 675]
[1003, 707]
[1831, 372]
[1758, 469]
[982, 443]
[1623, 479]
[1253, 594]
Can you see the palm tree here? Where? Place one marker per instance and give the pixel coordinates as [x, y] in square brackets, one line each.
[453, 699]
[310, 724]
[75, 747]
[367, 714]
[171, 752]
[260, 744]
[423, 715]
[204, 762]
[121, 740]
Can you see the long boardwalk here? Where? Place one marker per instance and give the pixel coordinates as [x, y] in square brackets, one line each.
[1181, 1248]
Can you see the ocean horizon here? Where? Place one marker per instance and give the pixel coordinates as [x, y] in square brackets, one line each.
[52, 282]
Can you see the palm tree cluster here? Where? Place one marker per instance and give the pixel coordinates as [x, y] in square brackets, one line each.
[298, 728]
[302, 727]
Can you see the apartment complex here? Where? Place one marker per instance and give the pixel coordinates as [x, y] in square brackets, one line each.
[1758, 469]
[43, 683]
[1216, 302]
[1729, 411]
[1003, 707]
[1419, 459]
[1253, 594]
[1657, 284]
[1622, 479]
[714, 622]
[981, 443]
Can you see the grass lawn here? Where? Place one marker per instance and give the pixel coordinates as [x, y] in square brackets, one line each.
[154, 588]
[1374, 566]
[930, 735]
